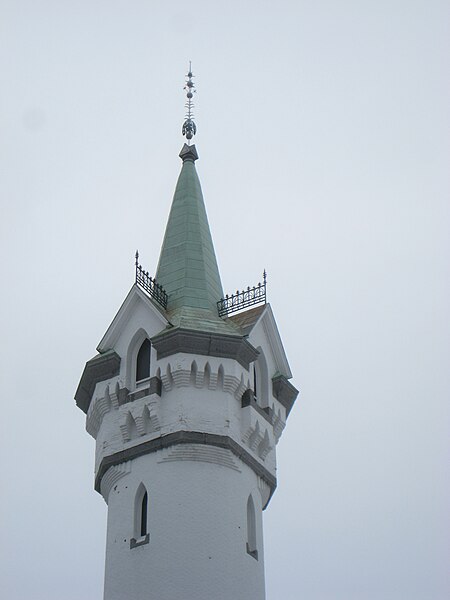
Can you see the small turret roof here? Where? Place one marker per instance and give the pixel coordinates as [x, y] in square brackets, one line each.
[187, 267]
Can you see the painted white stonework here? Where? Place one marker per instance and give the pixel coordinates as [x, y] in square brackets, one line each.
[197, 526]
[197, 493]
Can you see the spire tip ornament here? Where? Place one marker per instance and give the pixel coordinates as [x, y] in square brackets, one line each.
[189, 128]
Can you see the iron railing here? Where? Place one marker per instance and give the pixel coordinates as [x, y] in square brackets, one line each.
[149, 284]
[244, 299]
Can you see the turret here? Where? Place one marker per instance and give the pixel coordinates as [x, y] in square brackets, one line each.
[186, 399]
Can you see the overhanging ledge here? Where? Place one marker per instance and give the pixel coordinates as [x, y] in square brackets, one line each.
[101, 367]
[207, 344]
[284, 392]
[186, 437]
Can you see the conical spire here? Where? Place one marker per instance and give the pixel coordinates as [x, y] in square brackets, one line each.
[187, 267]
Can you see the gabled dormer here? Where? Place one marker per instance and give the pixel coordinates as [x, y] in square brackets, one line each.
[137, 320]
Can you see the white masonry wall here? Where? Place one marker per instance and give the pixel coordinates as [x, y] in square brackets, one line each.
[197, 524]
[190, 401]
[197, 494]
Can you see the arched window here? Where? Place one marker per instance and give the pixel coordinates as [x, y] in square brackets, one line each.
[251, 528]
[261, 380]
[141, 533]
[255, 382]
[144, 508]
[143, 361]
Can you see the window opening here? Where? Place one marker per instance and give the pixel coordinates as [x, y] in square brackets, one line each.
[143, 361]
[251, 528]
[144, 506]
[141, 533]
[255, 379]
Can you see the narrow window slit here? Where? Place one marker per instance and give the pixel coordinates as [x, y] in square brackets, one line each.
[141, 533]
[144, 514]
[251, 529]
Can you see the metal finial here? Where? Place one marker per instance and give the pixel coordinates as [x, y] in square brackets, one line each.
[189, 128]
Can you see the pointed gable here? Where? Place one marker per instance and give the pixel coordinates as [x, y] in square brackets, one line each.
[138, 316]
[150, 316]
[260, 326]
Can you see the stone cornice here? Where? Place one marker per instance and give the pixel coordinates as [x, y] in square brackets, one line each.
[284, 392]
[186, 437]
[101, 367]
[207, 344]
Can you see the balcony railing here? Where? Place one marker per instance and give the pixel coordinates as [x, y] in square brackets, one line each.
[149, 284]
[240, 300]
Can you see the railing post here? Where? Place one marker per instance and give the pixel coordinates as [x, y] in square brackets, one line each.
[240, 300]
[146, 282]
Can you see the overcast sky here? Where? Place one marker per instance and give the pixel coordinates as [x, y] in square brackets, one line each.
[323, 135]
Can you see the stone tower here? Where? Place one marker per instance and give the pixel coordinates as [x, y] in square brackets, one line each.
[186, 399]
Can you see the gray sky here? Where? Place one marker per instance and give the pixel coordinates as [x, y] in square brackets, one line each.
[323, 135]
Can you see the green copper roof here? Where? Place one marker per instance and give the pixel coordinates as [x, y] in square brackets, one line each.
[187, 267]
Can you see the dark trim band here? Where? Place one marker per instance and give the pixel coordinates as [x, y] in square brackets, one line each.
[101, 367]
[248, 399]
[284, 392]
[207, 344]
[186, 437]
[154, 387]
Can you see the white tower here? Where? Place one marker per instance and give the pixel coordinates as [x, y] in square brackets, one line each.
[186, 400]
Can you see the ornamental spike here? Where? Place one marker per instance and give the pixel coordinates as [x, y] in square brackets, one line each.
[189, 128]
